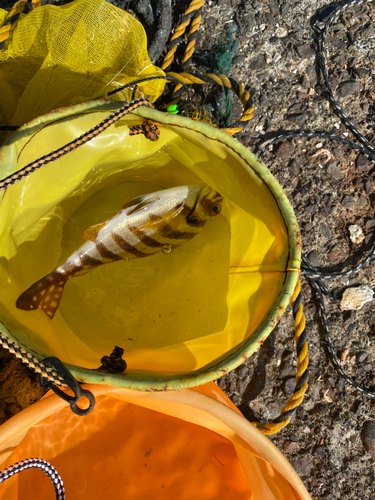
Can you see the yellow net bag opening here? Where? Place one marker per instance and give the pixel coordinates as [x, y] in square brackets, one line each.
[182, 318]
[185, 444]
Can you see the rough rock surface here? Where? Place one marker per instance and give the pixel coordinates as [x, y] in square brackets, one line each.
[325, 441]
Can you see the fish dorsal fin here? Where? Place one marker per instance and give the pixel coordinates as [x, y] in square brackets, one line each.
[91, 233]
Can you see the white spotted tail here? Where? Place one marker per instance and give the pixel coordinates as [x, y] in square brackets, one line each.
[150, 224]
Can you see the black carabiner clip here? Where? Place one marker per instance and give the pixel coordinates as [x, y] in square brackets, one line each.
[71, 382]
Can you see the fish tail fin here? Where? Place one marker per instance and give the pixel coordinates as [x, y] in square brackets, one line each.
[45, 294]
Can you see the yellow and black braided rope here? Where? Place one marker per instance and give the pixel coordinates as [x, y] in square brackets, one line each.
[302, 368]
[12, 18]
[32, 362]
[224, 81]
[176, 38]
[192, 35]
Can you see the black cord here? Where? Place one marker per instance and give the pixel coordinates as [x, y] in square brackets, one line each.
[315, 276]
[149, 78]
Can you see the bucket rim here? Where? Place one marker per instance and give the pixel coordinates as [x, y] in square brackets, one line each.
[240, 353]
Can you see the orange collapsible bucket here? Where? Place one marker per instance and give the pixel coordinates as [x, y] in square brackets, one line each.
[189, 444]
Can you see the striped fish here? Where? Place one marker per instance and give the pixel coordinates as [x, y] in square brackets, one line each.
[150, 224]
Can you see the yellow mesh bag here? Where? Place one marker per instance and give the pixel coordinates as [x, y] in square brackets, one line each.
[58, 56]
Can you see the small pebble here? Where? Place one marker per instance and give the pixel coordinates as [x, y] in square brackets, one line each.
[313, 257]
[362, 201]
[320, 451]
[368, 187]
[340, 60]
[281, 32]
[311, 73]
[285, 150]
[334, 171]
[361, 72]
[294, 167]
[335, 255]
[356, 234]
[286, 370]
[302, 466]
[305, 51]
[368, 437]
[348, 201]
[306, 289]
[310, 309]
[350, 88]
[298, 118]
[361, 356]
[367, 367]
[362, 162]
[242, 371]
[326, 232]
[365, 106]
[289, 446]
[354, 299]
[257, 63]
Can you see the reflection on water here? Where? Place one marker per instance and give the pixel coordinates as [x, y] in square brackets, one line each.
[127, 452]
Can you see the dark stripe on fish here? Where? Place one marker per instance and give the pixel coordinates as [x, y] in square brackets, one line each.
[146, 240]
[105, 253]
[196, 223]
[127, 247]
[86, 260]
[168, 232]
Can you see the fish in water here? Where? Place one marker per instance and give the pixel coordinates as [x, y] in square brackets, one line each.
[150, 224]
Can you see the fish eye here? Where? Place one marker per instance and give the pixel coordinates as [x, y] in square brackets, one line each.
[215, 210]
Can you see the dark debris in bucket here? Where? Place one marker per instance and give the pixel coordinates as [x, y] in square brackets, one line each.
[276, 60]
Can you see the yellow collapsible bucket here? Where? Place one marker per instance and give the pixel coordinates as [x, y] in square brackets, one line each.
[167, 445]
[183, 319]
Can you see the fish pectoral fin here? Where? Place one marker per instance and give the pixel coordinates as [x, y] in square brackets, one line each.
[169, 218]
[92, 232]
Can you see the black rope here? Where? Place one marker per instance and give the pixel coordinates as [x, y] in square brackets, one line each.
[323, 66]
[316, 276]
[164, 27]
[321, 134]
[149, 78]
[37, 463]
